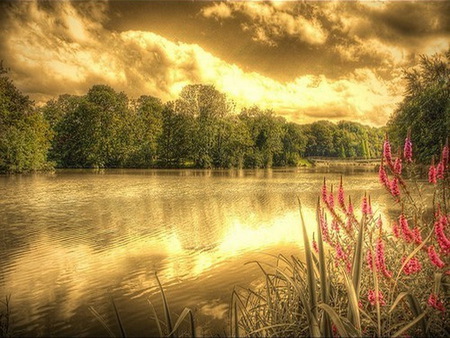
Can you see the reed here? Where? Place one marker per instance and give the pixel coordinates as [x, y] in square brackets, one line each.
[165, 327]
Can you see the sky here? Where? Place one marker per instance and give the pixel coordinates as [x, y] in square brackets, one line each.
[308, 61]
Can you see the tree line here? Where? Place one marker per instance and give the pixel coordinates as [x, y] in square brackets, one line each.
[203, 129]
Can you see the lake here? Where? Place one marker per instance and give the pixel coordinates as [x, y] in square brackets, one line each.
[74, 239]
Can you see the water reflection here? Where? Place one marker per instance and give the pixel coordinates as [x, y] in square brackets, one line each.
[69, 240]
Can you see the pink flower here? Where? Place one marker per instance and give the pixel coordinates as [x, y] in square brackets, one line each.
[369, 259]
[373, 298]
[407, 234]
[398, 166]
[434, 257]
[395, 191]
[382, 175]
[432, 174]
[434, 302]
[407, 150]
[396, 230]
[315, 247]
[365, 206]
[348, 225]
[412, 266]
[387, 151]
[439, 229]
[440, 170]
[324, 228]
[379, 223]
[417, 236]
[341, 199]
[350, 206]
[331, 198]
[335, 225]
[380, 260]
[340, 254]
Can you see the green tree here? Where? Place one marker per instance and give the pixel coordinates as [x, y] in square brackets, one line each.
[96, 130]
[24, 133]
[209, 108]
[175, 141]
[147, 127]
[266, 130]
[294, 145]
[56, 113]
[425, 108]
[321, 139]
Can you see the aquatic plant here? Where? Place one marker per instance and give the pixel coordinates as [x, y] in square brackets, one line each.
[402, 289]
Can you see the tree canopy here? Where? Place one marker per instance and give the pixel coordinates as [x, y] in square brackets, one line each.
[425, 109]
[24, 133]
[202, 128]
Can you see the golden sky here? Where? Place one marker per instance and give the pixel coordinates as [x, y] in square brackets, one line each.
[305, 60]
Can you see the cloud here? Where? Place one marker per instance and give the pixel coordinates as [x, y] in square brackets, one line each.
[67, 50]
[270, 22]
[218, 11]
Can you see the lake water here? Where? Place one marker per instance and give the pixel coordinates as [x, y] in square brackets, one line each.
[72, 240]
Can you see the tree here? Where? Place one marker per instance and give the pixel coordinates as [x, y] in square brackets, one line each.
[147, 126]
[95, 130]
[320, 139]
[209, 108]
[24, 133]
[425, 109]
[294, 145]
[175, 140]
[266, 130]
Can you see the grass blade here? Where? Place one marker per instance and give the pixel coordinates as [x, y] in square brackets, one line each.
[183, 315]
[102, 321]
[357, 265]
[342, 329]
[158, 324]
[358, 258]
[325, 327]
[119, 321]
[353, 303]
[309, 274]
[397, 300]
[166, 306]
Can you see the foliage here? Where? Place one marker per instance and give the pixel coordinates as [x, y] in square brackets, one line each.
[24, 133]
[425, 108]
[200, 129]
[361, 277]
